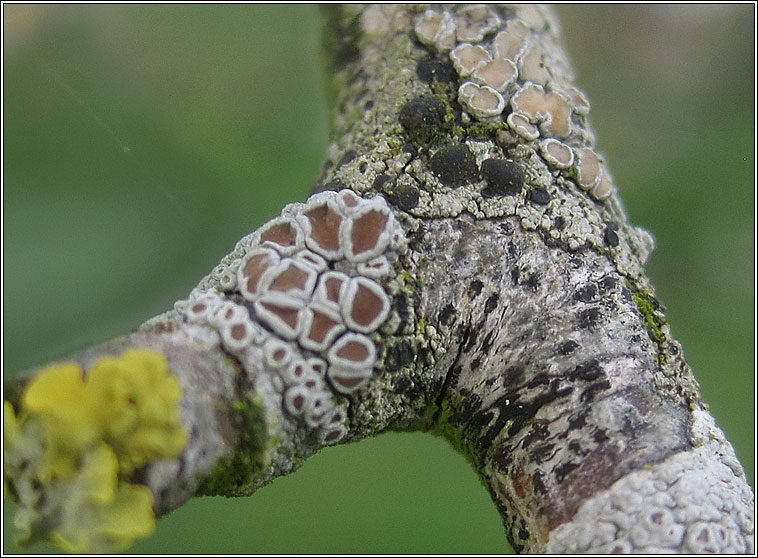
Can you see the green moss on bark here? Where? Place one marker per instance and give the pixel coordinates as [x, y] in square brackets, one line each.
[653, 319]
[235, 475]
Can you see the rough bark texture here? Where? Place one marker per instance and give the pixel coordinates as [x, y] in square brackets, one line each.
[512, 313]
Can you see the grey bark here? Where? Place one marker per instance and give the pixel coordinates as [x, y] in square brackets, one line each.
[526, 332]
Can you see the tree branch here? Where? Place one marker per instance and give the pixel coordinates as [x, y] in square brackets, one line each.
[520, 323]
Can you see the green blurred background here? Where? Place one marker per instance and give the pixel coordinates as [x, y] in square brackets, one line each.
[140, 142]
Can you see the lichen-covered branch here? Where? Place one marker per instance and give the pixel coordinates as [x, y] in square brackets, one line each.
[464, 266]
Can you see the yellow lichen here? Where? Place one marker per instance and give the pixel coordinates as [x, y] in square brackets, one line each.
[56, 399]
[101, 514]
[139, 412]
[70, 452]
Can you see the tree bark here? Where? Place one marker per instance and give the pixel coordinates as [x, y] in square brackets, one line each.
[520, 324]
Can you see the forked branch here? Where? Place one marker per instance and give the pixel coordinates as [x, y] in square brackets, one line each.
[464, 266]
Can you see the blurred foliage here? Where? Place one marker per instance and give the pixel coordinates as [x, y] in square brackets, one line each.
[140, 142]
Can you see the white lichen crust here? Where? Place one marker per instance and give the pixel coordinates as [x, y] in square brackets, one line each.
[695, 502]
[508, 94]
[310, 293]
[519, 73]
[532, 90]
